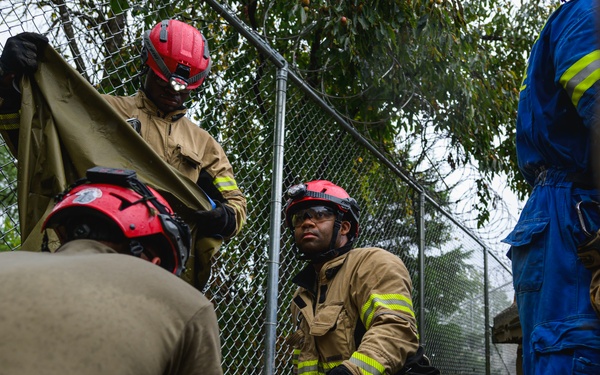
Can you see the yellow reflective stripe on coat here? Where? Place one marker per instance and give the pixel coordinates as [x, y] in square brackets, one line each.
[309, 368]
[313, 367]
[330, 365]
[395, 302]
[225, 183]
[10, 121]
[367, 365]
[295, 356]
[581, 76]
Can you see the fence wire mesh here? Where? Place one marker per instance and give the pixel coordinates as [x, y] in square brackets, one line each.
[237, 106]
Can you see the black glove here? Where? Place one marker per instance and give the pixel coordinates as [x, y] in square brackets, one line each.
[340, 370]
[218, 221]
[20, 54]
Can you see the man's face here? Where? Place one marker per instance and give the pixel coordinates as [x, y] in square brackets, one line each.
[313, 228]
[162, 94]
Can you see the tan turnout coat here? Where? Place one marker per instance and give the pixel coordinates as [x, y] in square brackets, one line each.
[357, 312]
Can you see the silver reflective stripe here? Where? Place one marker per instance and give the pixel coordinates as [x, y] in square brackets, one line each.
[308, 369]
[396, 302]
[581, 76]
[225, 183]
[365, 366]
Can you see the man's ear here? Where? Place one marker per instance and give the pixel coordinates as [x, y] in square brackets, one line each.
[345, 228]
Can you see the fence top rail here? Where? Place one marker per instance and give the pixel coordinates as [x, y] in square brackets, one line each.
[279, 61]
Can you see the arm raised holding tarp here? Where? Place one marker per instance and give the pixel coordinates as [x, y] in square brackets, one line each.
[65, 127]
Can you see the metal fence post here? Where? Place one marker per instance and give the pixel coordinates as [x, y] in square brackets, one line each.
[275, 224]
[422, 267]
[486, 296]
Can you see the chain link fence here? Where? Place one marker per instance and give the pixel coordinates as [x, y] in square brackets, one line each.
[458, 284]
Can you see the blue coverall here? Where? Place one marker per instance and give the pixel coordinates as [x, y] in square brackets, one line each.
[561, 332]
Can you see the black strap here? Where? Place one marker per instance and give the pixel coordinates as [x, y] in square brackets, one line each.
[580, 180]
[418, 364]
[299, 302]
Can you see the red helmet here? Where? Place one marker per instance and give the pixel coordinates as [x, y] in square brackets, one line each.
[134, 214]
[178, 53]
[322, 192]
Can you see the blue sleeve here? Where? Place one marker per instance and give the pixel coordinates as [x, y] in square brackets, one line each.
[577, 57]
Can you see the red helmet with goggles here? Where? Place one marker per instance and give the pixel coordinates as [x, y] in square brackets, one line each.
[324, 193]
[112, 205]
[178, 53]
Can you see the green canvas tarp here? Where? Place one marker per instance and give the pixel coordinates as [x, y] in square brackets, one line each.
[67, 127]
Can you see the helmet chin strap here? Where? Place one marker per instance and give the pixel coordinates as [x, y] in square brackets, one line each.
[327, 255]
[332, 252]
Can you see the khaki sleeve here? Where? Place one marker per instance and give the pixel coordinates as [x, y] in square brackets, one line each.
[385, 309]
[218, 167]
[199, 352]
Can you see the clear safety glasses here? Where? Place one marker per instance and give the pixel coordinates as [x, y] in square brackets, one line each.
[316, 214]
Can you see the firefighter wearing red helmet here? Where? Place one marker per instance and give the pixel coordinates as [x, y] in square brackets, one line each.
[107, 301]
[353, 306]
[176, 60]
[177, 53]
[335, 202]
[128, 213]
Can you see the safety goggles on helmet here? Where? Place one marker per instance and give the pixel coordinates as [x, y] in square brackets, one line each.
[297, 192]
[316, 214]
[321, 200]
[323, 193]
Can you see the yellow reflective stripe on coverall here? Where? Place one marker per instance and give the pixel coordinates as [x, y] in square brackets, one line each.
[581, 76]
[396, 302]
